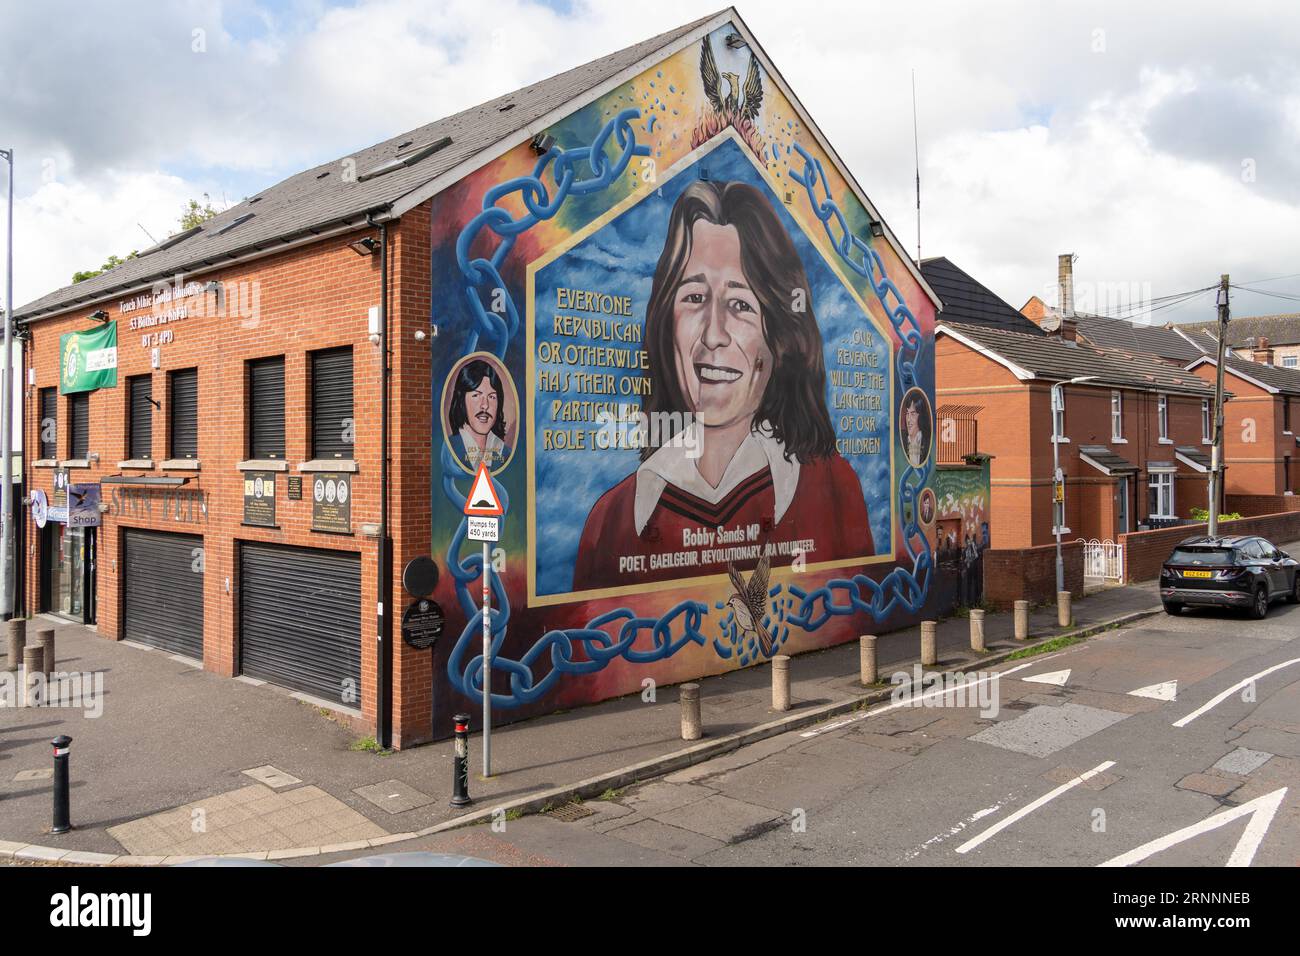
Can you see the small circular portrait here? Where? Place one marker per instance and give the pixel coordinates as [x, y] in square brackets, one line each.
[916, 426]
[927, 504]
[480, 412]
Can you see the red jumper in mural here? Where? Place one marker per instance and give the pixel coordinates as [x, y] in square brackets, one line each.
[733, 347]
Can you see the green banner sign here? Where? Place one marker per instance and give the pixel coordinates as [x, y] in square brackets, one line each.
[88, 360]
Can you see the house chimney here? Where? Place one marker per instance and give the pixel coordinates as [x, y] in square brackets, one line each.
[1069, 331]
[1065, 283]
[1262, 353]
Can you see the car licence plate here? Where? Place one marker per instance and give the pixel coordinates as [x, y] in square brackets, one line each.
[1198, 574]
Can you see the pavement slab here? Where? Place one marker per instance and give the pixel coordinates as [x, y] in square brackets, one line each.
[1045, 730]
[722, 818]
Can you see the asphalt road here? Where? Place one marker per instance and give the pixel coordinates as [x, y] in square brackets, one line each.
[1061, 764]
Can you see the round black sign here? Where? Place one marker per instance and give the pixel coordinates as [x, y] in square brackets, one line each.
[420, 576]
[422, 624]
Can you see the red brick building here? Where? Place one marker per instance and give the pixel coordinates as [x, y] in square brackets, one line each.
[251, 347]
[1135, 436]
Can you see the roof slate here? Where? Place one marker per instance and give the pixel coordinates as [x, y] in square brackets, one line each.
[1285, 380]
[967, 300]
[1134, 337]
[1283, 329]
[1054, 359]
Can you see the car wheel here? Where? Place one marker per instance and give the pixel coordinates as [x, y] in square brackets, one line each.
[1260, 608]
[1174, 609]
[1294, 596]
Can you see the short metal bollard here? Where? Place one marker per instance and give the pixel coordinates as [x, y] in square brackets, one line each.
[16, 630]
[62, 814]
[45, 641]
[460, 765]
[1021, 616]
[929, 641]
[781, 682]
[692, 729]
[33, 676]
[1064, 616]
[977, 630]
[867, 659]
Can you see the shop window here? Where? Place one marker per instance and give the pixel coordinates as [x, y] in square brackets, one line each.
[266, 408]
[140, 423]
[331, 403]
[184, 413]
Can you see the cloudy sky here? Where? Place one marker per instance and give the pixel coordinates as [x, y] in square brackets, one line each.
[1159, 142]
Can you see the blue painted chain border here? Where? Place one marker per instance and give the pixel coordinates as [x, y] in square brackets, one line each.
[495, 330]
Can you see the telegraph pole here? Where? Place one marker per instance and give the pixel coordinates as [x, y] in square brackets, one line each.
[1216, 468]
[6, 411]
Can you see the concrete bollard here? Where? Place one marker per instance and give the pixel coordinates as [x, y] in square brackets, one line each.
[867, 659]
[929, 653]
[977, 631]
[692, 728]
[45, 641]
[33, 685]
[16, 630]
[781, 682]
[1063, 611]
[1022, 620]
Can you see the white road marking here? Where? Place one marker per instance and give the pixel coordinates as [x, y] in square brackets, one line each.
[952, 831]
[1216, 701]
[1168, 690]
[918, 702]
[1057, 678]
[1024, 811]
[1261, 811]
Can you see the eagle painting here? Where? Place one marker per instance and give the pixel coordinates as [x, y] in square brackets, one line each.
[737, 106]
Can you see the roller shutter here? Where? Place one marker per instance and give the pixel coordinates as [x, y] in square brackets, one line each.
[163, 585]
[300, 619]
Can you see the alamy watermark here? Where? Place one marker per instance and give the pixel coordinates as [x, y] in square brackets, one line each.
[923, 688]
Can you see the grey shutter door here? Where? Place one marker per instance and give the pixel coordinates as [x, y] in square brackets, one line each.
[185, 414]
[163, 602]
[331, 396]
[300, 619]
[79, 412]
[141, 417]
[266, 421]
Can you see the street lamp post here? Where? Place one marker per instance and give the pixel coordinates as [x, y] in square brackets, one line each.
[7, 413]
[1058, 480]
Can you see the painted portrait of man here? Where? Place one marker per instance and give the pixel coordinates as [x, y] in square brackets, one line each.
[915, 426]
[476, 416]
[735, 354]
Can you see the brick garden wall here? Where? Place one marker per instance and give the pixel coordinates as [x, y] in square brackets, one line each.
[1029, 574]
[1145, 551]
[1251, 506]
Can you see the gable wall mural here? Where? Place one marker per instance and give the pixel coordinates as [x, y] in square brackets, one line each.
[703, 389]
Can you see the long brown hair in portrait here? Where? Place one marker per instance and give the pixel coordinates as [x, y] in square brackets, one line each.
[794, 402]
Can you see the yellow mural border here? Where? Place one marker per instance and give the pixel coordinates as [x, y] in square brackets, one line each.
[781, 574]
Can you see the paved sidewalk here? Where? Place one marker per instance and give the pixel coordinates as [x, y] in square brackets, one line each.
[186, 745]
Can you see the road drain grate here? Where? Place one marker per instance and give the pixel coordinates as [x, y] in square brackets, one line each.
[570, 813]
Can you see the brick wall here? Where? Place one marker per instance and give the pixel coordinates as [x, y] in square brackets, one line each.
[312, 297]
[1029, 574]
[1254, 505]
[1145, 551]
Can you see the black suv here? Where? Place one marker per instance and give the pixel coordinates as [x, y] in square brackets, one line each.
[1233, 571]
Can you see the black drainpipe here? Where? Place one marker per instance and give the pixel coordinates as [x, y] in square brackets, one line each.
[383, 620]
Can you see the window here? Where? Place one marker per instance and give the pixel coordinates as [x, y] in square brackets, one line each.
[48, 426]
[1286, 414]
[1161, 499]
[1207, 428]
[1162, 416]
[266, 408]
[79, 425]
[140, 424]
[331, 403]
[1290, 361]
[184, 413]
[1116, 416]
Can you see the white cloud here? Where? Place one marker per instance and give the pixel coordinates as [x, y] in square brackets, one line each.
[1033, 141]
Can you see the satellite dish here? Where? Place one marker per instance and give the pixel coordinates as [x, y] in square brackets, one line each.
[1051, 322]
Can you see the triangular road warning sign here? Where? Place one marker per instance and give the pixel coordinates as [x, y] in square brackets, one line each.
[483, 501]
